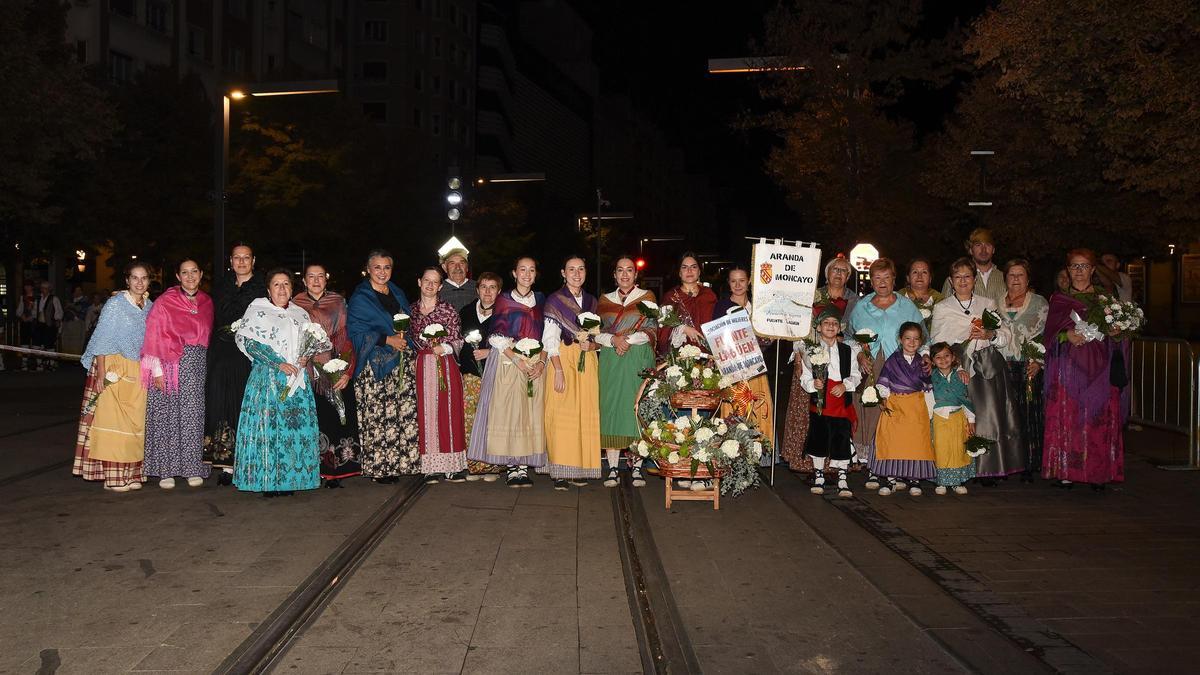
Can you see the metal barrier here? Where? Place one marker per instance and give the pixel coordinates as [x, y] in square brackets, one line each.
[1165, 376]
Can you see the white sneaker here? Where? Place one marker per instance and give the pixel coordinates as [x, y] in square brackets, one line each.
[167, 483]
[195, 481]
[939, 490]
[472, 477]
[960, 489]
[135, 485]
[915, 491]
[885, 491]
[491, 477]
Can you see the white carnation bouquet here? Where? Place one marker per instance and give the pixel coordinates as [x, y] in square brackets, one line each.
[474, 338]
[528, 348]
[333, 369]
[589, 327]
[434, 333]
[313, 341]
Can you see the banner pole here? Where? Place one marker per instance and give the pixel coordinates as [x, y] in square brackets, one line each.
[775, 416]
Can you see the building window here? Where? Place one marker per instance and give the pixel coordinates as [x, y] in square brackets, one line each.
[156, 15]
[417, 118]
[465, 23]
[419, 39]
[418, 79]
[375, 31]
[81, 51]
[120, 67]
[437, 9]
[437, 46]
[235, 60]
[122, 7]
[452, 90]
[195, 41]
[420, 5]
[453, 53]
[436, 84]
[374, 70]
[453, 14]
[435, 124]
[375, 110]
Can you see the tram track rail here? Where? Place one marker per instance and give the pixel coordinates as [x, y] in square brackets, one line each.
[263, 649]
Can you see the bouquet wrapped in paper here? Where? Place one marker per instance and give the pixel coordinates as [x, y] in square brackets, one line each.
[818, 360]
[434, 333]
[589, 327]
[1109, 315]
[400, 324]
[333, 369]
[474, 338]
[313, 341]
[528, 348]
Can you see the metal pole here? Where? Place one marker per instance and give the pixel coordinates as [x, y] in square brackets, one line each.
[221, 163]
[775, 408]
[599, 233]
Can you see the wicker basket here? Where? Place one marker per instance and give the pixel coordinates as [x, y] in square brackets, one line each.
[696, 399]
[683, 469]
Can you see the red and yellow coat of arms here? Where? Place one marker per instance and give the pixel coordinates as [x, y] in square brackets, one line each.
[764, 273]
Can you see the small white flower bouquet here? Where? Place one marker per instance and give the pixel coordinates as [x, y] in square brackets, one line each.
[313, 341]
[110, 378]
[333, 369]
[434, 333]
[589, 326]
[528, 348]
[474, 338]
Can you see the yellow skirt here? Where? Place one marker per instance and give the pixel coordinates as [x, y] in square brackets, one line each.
[761, 410]
[573, 417]
[118, 431]
[949, 435]
[904, 434]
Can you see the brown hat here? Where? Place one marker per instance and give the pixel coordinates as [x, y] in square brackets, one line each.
[980, 235]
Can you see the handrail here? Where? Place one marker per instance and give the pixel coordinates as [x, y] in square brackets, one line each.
[1165, 375]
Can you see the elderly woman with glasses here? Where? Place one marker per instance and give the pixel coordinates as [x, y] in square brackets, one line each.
[1084, 377]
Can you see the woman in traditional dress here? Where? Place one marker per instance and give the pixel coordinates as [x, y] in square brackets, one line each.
[882, 311]
[834, 294]
[278, 448]
[509, 425]
[918, 290]
[476, 322]
[627, 348]
[1083, 441]
[227, 367]
[110, 445]
[174, 359]
[573, 403]
[339, 428]
[1024, 312]
[442, 440]
[958, 321]
[693, 302]
[384, 386]
[760, 406]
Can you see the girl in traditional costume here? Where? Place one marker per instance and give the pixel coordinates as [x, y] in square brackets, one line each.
[903, 446]
[953, 422]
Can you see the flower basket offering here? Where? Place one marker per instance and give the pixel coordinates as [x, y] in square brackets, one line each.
[528, 348]
[691, 446]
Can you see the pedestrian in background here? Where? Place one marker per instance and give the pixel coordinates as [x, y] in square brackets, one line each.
[110, 444]
[47, 322]
[174, 364]
[27, 320]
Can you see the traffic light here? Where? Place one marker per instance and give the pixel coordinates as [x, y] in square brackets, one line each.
[640, 264]
[454, 198]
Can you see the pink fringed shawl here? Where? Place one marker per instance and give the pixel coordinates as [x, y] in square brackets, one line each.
[174, 322]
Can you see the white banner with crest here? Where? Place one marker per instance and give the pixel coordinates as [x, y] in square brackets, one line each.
[785, 281]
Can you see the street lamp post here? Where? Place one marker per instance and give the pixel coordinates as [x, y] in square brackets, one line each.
[221, 156]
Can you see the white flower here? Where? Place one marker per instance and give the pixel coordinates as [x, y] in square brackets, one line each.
[725, 382]
[587, 316]
[757, 449]
[703, 434]
[1116, 306]
[314, 329]
[865, 333]
[673, 457]
[925, 313]
[335, 366]
[689, 352]
[237, 324]
[702, 455]
[819, 358]
[649, 305]
[111, 377]
[681, 382]
[400, 317]
[696, 419]
[742, 426]
[722, 429]
[674, 371]
[708, 372]
[665, 310]
[870, 395]
[643, 448]
[695, 372]
[473, 338]
[528, 346]
[1108, 318]
[656, 433]
[683, 423]
[730, 448]
[433, 330]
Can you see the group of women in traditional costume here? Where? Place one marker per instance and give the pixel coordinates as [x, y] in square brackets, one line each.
[940, 372]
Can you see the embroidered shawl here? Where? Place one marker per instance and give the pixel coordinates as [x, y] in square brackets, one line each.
[617, 319]
[120, 330]
[173, 323]
[562, 310]
[514, 320]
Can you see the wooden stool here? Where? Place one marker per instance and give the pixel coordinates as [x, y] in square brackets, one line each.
[713, 495]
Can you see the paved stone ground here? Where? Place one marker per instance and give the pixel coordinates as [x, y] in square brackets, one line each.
[483, 578]
[760, 592]
[1111, 574]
